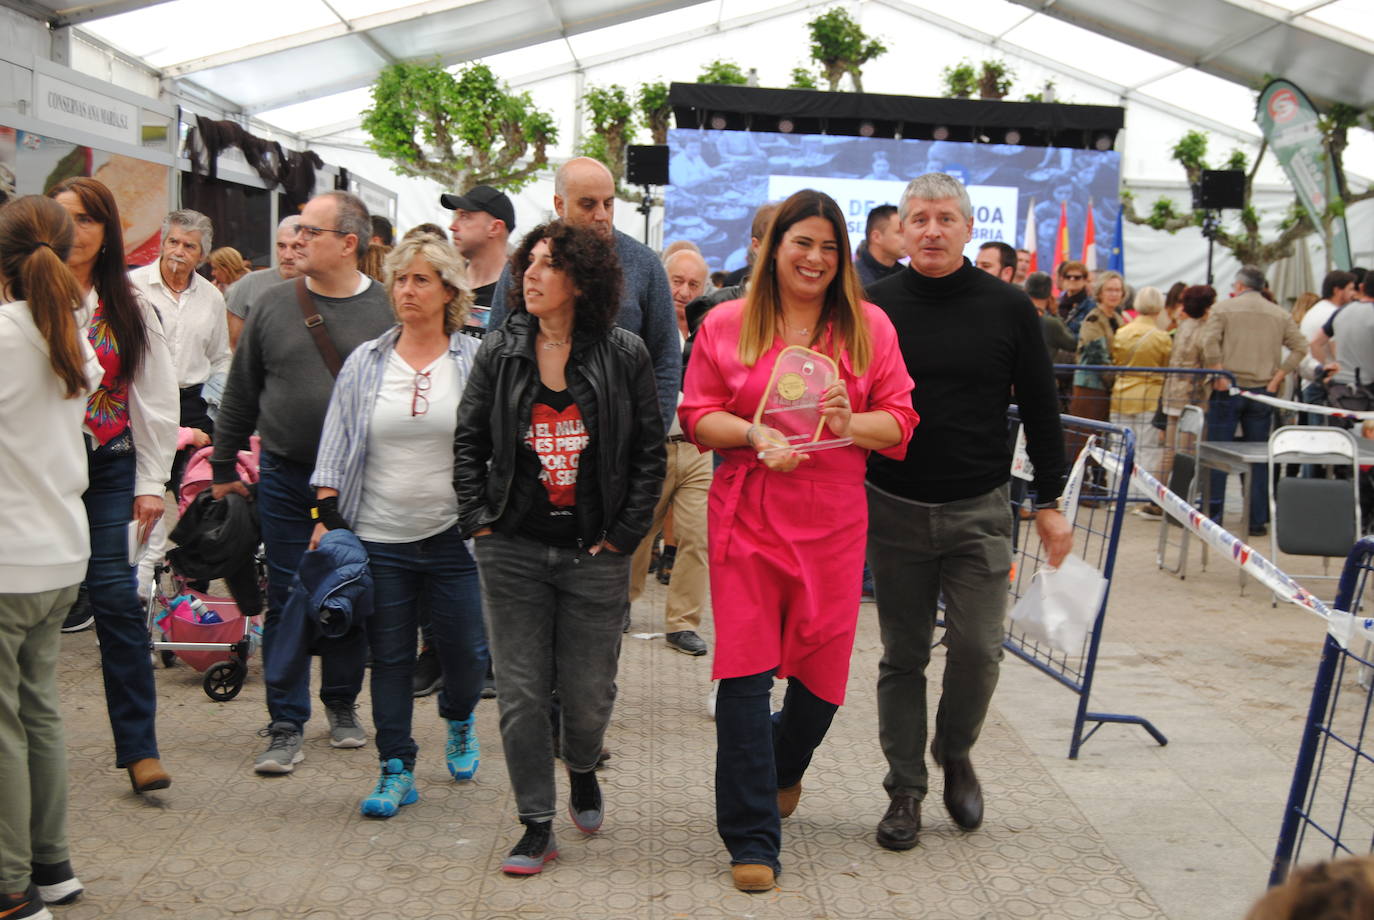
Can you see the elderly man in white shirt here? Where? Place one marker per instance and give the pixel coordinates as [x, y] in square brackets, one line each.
[193, 321]
[192, 312]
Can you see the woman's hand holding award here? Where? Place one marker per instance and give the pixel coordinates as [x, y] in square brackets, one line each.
[804, 395]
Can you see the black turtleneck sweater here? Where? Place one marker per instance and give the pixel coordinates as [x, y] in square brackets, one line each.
[969, 339]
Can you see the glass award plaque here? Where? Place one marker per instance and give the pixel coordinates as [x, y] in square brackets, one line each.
[791, 405]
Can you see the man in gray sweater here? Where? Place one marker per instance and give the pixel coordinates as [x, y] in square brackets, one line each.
[280, 385]
[584, 196]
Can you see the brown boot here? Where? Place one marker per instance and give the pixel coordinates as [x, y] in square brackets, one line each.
[788, 797]
[147, 774]
[751, 877]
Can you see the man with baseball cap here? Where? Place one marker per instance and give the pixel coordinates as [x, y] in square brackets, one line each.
[483, 219]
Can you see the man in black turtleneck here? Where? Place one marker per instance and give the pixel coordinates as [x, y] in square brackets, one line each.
[940, 520]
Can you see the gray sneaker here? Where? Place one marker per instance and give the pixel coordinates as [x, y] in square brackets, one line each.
[687, 642]
[344, 730]
[283, 750]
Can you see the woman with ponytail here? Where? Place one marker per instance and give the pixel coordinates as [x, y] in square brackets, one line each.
[131, 426]
[49, 369]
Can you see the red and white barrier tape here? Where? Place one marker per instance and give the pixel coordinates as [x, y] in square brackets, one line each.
[1340, 624]
[1301, 407]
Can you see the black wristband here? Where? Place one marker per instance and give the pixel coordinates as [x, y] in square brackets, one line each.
[326, 512]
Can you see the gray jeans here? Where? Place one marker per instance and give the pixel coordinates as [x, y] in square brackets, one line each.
[918, 552]
[553, 618]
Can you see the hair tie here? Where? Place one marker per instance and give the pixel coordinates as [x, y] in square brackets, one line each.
[39, 244]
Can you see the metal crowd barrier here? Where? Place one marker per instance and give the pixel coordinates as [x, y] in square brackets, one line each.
[1097, 532]
[1330, 809]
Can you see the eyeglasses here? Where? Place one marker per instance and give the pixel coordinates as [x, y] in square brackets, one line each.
[419, 402]
[1075, 277]
[307, 232]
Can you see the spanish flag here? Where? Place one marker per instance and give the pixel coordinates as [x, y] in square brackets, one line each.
[1090, 240]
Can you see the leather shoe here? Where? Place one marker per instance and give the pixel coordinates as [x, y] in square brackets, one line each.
[752, 877]
[147, 774]
[900, 827]
[963, 795]
[788, 797]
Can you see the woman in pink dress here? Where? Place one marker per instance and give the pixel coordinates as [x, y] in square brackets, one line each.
[787, 531]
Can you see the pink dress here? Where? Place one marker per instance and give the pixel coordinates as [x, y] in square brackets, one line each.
[787, 549]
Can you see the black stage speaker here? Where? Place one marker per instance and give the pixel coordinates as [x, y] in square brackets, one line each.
[646, 164]
[1221, 189]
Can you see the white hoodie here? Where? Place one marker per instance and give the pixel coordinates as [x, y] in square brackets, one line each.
[44, 537]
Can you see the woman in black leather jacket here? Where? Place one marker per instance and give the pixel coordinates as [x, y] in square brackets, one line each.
[558, 463]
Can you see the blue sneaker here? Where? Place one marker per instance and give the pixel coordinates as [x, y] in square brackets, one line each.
[395, 788]
[462, 751]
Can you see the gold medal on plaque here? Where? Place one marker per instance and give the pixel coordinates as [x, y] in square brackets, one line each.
[790, 409]
[791, 386]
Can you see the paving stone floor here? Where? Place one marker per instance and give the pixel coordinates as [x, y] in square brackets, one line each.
[1129, 830]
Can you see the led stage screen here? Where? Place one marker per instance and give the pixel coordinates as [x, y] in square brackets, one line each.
[720, 177]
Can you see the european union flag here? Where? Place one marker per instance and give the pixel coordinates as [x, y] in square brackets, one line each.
[1117, 262]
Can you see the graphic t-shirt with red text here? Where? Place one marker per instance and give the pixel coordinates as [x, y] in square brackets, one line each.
[557, 435]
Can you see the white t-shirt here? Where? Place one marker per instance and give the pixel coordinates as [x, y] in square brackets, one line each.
[408, 474]
[1314, 319]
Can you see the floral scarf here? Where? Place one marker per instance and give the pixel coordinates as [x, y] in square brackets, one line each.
[107, 409]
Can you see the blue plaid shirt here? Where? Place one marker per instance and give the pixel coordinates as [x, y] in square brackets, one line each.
[343, 443]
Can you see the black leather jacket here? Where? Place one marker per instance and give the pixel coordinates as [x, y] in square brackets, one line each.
[622, 469]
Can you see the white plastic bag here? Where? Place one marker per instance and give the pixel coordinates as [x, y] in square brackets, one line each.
[1061, 604]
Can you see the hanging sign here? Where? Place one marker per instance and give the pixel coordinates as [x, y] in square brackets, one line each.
[1289, 122]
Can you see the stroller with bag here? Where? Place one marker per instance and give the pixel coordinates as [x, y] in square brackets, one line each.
[213, 634]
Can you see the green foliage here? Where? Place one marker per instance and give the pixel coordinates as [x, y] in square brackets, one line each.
[726, 73]
[994, 79]
[1341, 115]
[1295, 213]
[803, 79]
[1237, 160]
[960, 80]
[610, 114]
[1040, 96]
[1191, 152]
[652, 101]
[841, 46]
[1162, 212]
[459, 129]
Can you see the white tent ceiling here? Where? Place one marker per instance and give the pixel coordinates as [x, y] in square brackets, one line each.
[269, 56]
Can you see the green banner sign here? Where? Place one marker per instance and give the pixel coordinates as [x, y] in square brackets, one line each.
[1289, 122]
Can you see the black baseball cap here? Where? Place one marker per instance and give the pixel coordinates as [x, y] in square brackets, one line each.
[483, 198]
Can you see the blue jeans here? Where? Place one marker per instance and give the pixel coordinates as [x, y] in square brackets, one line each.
[1224, 412]
[284, 500]
[121, 622]
[758, 754]
[440, 570]
[554, 617]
